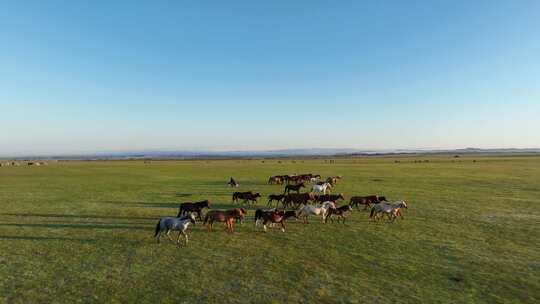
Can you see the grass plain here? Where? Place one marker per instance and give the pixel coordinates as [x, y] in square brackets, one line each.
[81, 231]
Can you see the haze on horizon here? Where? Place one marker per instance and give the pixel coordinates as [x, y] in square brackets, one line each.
[242, 75]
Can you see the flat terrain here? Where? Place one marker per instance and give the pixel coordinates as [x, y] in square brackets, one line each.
[82, 232]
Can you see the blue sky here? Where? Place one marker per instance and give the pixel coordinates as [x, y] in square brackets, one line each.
[85, 76]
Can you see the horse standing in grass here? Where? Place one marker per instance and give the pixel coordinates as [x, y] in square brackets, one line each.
[179, 224]
[392, 210]
[193, 207]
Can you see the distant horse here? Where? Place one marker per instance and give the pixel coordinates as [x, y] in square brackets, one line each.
[339, 212]
[179, 224]
[296, 188]
[308, 210]
[275, 197]
[232, 183]
[193, 207]
[391, 210]
[227, 216]
[321, 188]
[329, 197]
[297, 199]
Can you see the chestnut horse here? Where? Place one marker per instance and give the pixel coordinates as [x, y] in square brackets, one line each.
[227, 216]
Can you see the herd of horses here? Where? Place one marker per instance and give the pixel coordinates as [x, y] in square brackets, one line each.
[294, 204]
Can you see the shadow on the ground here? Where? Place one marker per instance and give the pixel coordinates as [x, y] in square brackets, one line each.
[77, 216]
[45, 238]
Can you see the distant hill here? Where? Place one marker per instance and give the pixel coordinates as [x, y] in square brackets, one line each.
[314, 152]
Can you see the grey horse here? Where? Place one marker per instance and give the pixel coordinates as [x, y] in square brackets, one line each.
[179, 224]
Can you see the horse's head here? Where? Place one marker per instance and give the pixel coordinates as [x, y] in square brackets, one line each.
[256, 195]
[383, 199]
[241, 211]
[340, 196]
[206, 203]
[404, 205]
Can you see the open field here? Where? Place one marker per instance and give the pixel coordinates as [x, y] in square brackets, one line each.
[82, 232]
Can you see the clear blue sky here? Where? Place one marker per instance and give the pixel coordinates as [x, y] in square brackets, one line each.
[84, 76]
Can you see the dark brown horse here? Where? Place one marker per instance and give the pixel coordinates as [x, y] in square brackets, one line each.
[193, 207]
[274, 217]
[297, 199]
[366, 200]
[245, 197]
[227, 216]
[340, 212]
[295, 188]
[275, 197]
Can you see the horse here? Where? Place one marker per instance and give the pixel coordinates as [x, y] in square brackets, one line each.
[193, 207]
[297, 199]
[227, 216]
[275, 197]
[392, 210]
[308, 210]
[275, 217]
[340, 212]
[278, 180]
[245, 196]
[232, 183]
[297, 187]
[179, 224]
[366, 200]
[321, 188]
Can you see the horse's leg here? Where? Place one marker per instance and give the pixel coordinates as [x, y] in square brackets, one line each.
[282, 226]
[169, 235]
[178, 238]
[158, 236]
[185, 236]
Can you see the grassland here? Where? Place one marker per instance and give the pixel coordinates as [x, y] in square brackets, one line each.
[82, 232]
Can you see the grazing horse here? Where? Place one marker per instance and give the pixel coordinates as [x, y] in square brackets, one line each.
[179, 224]
[391, 210]
[340, 212]
[275, 197]
[232, 183]
[308, 210]
[321, 188]
[193, 207]
[227, 216]
[297, 187]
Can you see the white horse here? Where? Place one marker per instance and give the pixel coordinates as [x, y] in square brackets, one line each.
[321, 188]
[179, 224]
[308, 210]
[392, 210]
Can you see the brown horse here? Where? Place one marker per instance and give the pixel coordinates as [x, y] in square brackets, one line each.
[193, 207]
[366, 200]
[296, 188]
[340, 212]
[274, 217]
[297, 199]
[227, 216]
[245, 196]
[275, 197]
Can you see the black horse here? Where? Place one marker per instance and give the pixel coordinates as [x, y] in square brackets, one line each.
[296, 188]
[193, 207]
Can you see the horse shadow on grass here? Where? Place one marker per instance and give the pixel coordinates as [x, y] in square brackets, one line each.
[46, 238]
[77, 216]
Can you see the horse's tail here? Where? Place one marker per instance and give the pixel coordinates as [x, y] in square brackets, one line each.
[157, 228]
[372, 212]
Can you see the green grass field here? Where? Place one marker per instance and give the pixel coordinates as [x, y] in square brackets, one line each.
[82, 232]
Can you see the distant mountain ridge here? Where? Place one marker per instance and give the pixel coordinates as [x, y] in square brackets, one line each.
[311, 152]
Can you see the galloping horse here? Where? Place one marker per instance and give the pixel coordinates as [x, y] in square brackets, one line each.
[274, 217]
[321, 188]
[227, 216]
[193, 207]
[179, 224]
[366, 200]
[392, 210]
[275, 197]
[340, 212]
